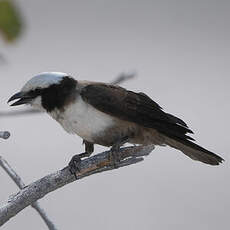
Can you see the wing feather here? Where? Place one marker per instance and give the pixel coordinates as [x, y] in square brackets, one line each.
[134, 107]
[141, 109]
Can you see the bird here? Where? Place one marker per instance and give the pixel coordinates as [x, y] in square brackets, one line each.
[108, 115]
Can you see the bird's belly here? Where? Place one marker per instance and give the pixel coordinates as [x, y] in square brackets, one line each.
[84, 120]
[100, 128]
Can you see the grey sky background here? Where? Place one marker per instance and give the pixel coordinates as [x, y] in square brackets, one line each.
[181, 52]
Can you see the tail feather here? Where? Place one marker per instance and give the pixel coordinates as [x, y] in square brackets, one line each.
[194, 151]
[176, 120]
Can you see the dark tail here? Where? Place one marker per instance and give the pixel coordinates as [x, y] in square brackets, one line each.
[194, 151]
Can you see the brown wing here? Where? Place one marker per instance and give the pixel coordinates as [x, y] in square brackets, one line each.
[134, 107]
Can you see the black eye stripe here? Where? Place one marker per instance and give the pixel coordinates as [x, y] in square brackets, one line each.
[57, 95]
[36, 92]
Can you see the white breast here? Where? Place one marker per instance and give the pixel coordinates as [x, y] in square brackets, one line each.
[83, 119]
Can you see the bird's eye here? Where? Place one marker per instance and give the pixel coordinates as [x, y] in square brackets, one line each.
[34, 93]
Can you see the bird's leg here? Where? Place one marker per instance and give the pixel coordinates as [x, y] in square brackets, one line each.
[114, 157]
[74, 164]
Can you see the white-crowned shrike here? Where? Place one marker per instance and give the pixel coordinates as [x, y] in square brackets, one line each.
[108, 115]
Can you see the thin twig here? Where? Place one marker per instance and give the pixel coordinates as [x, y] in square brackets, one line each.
[18, 181]
[19, 112]
[123, 77]
[118, 80]
[95, 164]
[4, 134]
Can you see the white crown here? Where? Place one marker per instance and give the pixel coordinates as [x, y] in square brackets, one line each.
[43, 80]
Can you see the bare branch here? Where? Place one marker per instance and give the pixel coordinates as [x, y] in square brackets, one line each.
[123, 77]
[18, 181]
[95, 164]
[19, 112]
[4, 134]
[118, 80]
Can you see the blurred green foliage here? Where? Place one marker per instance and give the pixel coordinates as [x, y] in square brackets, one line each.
[10, 20]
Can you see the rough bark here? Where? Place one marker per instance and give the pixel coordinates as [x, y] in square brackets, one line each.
[95, 164]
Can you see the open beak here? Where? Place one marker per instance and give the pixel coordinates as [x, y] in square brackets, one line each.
[23, 99]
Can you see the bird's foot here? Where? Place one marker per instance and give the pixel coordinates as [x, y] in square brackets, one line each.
[74, 164]
[114, 157]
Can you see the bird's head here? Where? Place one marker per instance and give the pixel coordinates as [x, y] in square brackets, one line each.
[46, 91]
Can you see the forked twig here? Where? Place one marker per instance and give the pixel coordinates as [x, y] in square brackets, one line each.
[95, 164]
[18, 181]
